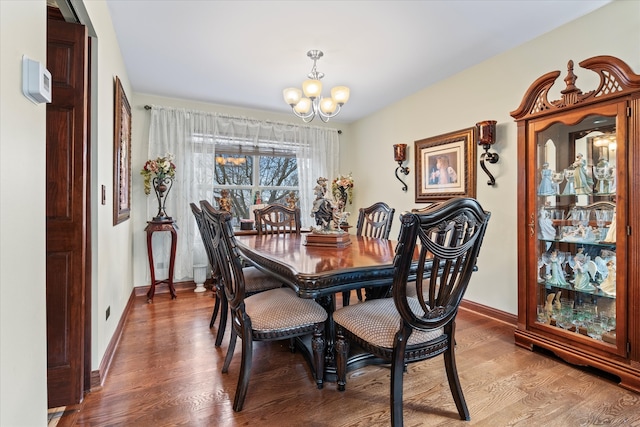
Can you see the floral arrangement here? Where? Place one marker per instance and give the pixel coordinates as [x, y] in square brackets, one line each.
[342, 188]
[162, 168]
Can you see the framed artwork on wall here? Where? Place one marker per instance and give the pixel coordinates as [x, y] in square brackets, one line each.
[445, 166]
[121, 156]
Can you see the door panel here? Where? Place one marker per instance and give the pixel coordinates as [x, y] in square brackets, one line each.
[66, 211]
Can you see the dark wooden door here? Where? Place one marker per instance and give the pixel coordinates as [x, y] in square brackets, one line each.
[66, 211]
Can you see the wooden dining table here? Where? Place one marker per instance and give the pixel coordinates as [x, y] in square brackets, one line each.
[316, 271]
[321, 272]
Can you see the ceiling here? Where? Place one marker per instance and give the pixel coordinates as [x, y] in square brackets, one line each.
[244, 53]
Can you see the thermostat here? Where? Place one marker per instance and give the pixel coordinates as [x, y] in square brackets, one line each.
[36, 81]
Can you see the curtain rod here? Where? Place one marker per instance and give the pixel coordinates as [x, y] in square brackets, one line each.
[148, 107]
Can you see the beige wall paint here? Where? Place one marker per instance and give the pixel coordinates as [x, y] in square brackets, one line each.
[23, 363]
[488, 91]
[23, 346]
[112, 253]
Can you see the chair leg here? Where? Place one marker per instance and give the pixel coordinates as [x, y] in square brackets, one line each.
[318, 344]
[454, 382]
[342, 351]
[245, 371]
[359, 294]
[216, 307]
[230, 350]
[346, 296]
[222, 324]
[397, 371]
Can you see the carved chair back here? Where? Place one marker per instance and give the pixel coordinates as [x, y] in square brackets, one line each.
[226, 253]
[447, 239]
[277, 219]
[424, 208]
[375, 221]
[204, 234]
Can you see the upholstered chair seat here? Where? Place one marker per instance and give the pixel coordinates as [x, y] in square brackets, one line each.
[257, 281]
[376, 322]
[281, 309]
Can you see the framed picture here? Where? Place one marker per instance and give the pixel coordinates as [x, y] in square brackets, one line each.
[445, 166]
[121, 156]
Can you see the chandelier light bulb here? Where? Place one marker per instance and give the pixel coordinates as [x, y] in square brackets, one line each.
[312, 88]
[292, 95]
[328, 105]
[303, 106]
[340, 94]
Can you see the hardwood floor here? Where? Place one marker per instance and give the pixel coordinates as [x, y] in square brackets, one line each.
[167, 372]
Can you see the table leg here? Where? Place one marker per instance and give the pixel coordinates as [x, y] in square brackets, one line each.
[329, 304]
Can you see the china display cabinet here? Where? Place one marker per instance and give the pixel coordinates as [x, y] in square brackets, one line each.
[579, 220]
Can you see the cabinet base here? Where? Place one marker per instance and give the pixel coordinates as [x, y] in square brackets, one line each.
[629, 375]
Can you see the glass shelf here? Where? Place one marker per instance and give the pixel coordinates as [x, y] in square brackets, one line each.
[597, 292]
[574, 195]
[599, 243]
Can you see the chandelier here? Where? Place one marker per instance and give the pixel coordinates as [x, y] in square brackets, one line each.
[313, 103]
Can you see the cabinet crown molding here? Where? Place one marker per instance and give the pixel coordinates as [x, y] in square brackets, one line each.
[616, 80]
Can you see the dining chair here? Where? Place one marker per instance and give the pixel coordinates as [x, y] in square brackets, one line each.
[424, 208]
[373, 221]
[256, 281]
[277, 219]
[275, 314]
[215, 272]
[411, 289]
[441, 246]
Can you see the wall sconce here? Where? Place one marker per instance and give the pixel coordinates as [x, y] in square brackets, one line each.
[486, 138]
[400, 155]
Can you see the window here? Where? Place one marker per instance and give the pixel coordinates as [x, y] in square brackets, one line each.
[266, 172]
[278, 157]
[271, 178]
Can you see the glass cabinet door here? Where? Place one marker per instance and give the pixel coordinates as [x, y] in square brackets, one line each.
[575, 224]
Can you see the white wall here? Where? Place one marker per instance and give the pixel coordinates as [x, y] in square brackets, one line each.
[488, 91]
[23, 345]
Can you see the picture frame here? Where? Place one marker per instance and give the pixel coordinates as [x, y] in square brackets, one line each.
[121, 155]
[445, 166]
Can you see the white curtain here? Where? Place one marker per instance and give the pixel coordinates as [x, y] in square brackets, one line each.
[191, 136]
